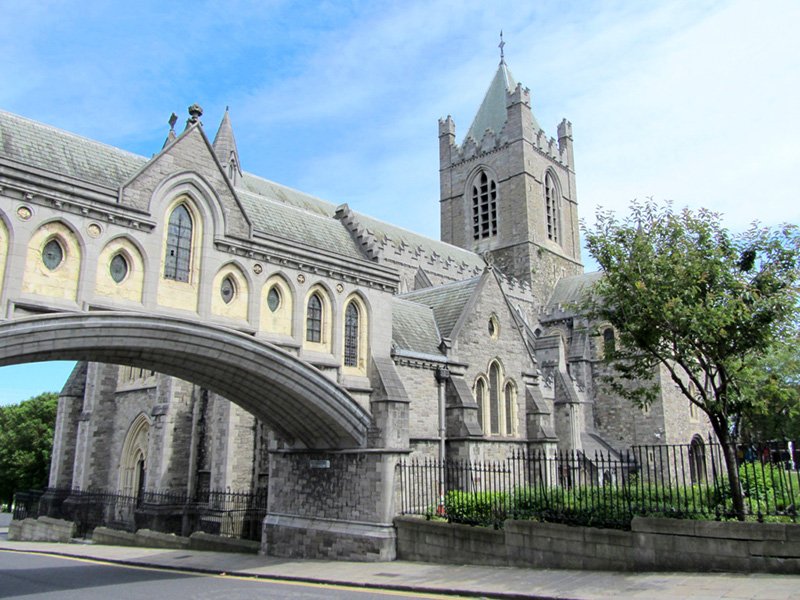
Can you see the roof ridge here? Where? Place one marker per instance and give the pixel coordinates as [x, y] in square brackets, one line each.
[449, 284]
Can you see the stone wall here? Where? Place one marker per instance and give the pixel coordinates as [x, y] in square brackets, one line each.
[651, 545]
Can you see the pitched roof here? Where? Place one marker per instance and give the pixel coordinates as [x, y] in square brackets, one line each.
[273, 217]
[492, 112]
[65, 153]
[447, 301]
[414, 327]
[385, 232]
[571, 290]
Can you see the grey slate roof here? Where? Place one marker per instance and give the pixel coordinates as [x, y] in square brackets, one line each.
[571, 290]
[447, 301]
[65, 153]
[287, 221]
[286, 195]
[387, 232]
[414, 327]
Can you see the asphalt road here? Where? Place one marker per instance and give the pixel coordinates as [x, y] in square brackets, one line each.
[34, 576]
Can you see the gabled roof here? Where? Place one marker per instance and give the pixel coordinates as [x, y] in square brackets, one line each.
[448, 301]
[414, 327]
[65, 153]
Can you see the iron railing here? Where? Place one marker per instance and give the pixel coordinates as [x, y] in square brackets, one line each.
[604, 489]
[220, 512]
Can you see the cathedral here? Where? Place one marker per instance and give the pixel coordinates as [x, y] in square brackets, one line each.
[478, 336]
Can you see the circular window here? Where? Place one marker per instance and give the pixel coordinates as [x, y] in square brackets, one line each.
[52, 254]
[118, 268]
[274, 298]
[493, 327]
[227, 290]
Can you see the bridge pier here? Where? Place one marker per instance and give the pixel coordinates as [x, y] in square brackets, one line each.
[335, 505]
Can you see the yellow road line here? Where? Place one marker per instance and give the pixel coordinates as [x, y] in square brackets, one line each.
[366, 589]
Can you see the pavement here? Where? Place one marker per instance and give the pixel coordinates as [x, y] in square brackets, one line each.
[452, 580]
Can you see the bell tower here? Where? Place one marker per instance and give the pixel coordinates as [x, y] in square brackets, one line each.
[508, 191]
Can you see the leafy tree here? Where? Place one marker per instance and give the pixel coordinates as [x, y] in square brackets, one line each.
[774, 392]
[706, 305]
[26, 442]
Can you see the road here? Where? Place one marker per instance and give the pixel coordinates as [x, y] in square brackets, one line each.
[37, 576]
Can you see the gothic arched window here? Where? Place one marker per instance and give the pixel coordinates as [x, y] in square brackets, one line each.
[314, 319]
[494, 398]
[609, 343]
[552, 206]
[179, 245]
[484, 206]
[509, 396]
[480, 399]
[351, 335]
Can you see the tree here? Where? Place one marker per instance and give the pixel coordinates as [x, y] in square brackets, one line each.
[705, 304]
[26, 443]
[774, 394]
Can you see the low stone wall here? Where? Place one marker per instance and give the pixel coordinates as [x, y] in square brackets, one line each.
[43, 529]
[651, 545]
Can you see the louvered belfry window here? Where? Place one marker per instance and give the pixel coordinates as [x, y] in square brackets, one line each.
[484, 207]
[179, 245]
[552, 206]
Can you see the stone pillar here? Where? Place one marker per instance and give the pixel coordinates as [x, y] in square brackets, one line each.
[333, 505]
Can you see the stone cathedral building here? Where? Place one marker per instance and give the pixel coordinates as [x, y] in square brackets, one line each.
[484, 316]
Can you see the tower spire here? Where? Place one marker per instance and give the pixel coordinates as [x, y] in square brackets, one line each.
[501, 45]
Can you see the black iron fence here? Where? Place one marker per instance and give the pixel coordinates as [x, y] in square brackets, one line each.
[226, 513]
[604, 490]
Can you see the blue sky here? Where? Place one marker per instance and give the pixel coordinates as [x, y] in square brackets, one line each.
[692, 101]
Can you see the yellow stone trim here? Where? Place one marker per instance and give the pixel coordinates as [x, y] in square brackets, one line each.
[237, 307]
[62, 282]
[281, 320]
[130, 288]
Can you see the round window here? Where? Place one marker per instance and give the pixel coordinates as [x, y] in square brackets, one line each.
[52, 254]
[118, 268]
[227, 290]
[274, 298]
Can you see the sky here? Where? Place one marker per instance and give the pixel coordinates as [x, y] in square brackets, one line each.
[693, 102]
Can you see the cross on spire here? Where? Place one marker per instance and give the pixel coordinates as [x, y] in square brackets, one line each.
[501, 45]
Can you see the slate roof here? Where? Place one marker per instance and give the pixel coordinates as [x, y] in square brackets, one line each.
[301, 226]
[447, 301]
[414, 327]
[399, 236]
[286, 195]
[65, 153]
[571, 290]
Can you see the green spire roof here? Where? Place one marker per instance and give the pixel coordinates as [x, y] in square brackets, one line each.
[492, 113]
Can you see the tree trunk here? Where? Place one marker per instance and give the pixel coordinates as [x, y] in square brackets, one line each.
[729, 451]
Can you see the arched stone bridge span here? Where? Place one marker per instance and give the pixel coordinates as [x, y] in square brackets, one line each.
[273, 385]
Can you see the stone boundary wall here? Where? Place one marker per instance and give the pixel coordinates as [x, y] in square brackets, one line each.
[651, 545]
[43, 529]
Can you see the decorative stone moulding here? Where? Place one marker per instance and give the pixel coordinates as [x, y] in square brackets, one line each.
[258, 269]
[94, 230]
[24, 213]
[301, 278]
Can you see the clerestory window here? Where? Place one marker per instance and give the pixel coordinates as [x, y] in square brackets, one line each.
[314, 319]
[179, 245]
[484, 206]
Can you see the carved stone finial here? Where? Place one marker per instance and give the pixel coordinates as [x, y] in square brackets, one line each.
[195, 112]
[173, 118]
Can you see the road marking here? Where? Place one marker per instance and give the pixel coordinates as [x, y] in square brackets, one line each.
[365, 589]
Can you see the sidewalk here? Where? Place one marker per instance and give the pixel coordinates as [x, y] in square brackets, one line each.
[467, 580]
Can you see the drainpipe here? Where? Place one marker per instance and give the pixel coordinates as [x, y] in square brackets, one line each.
[442, 375]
